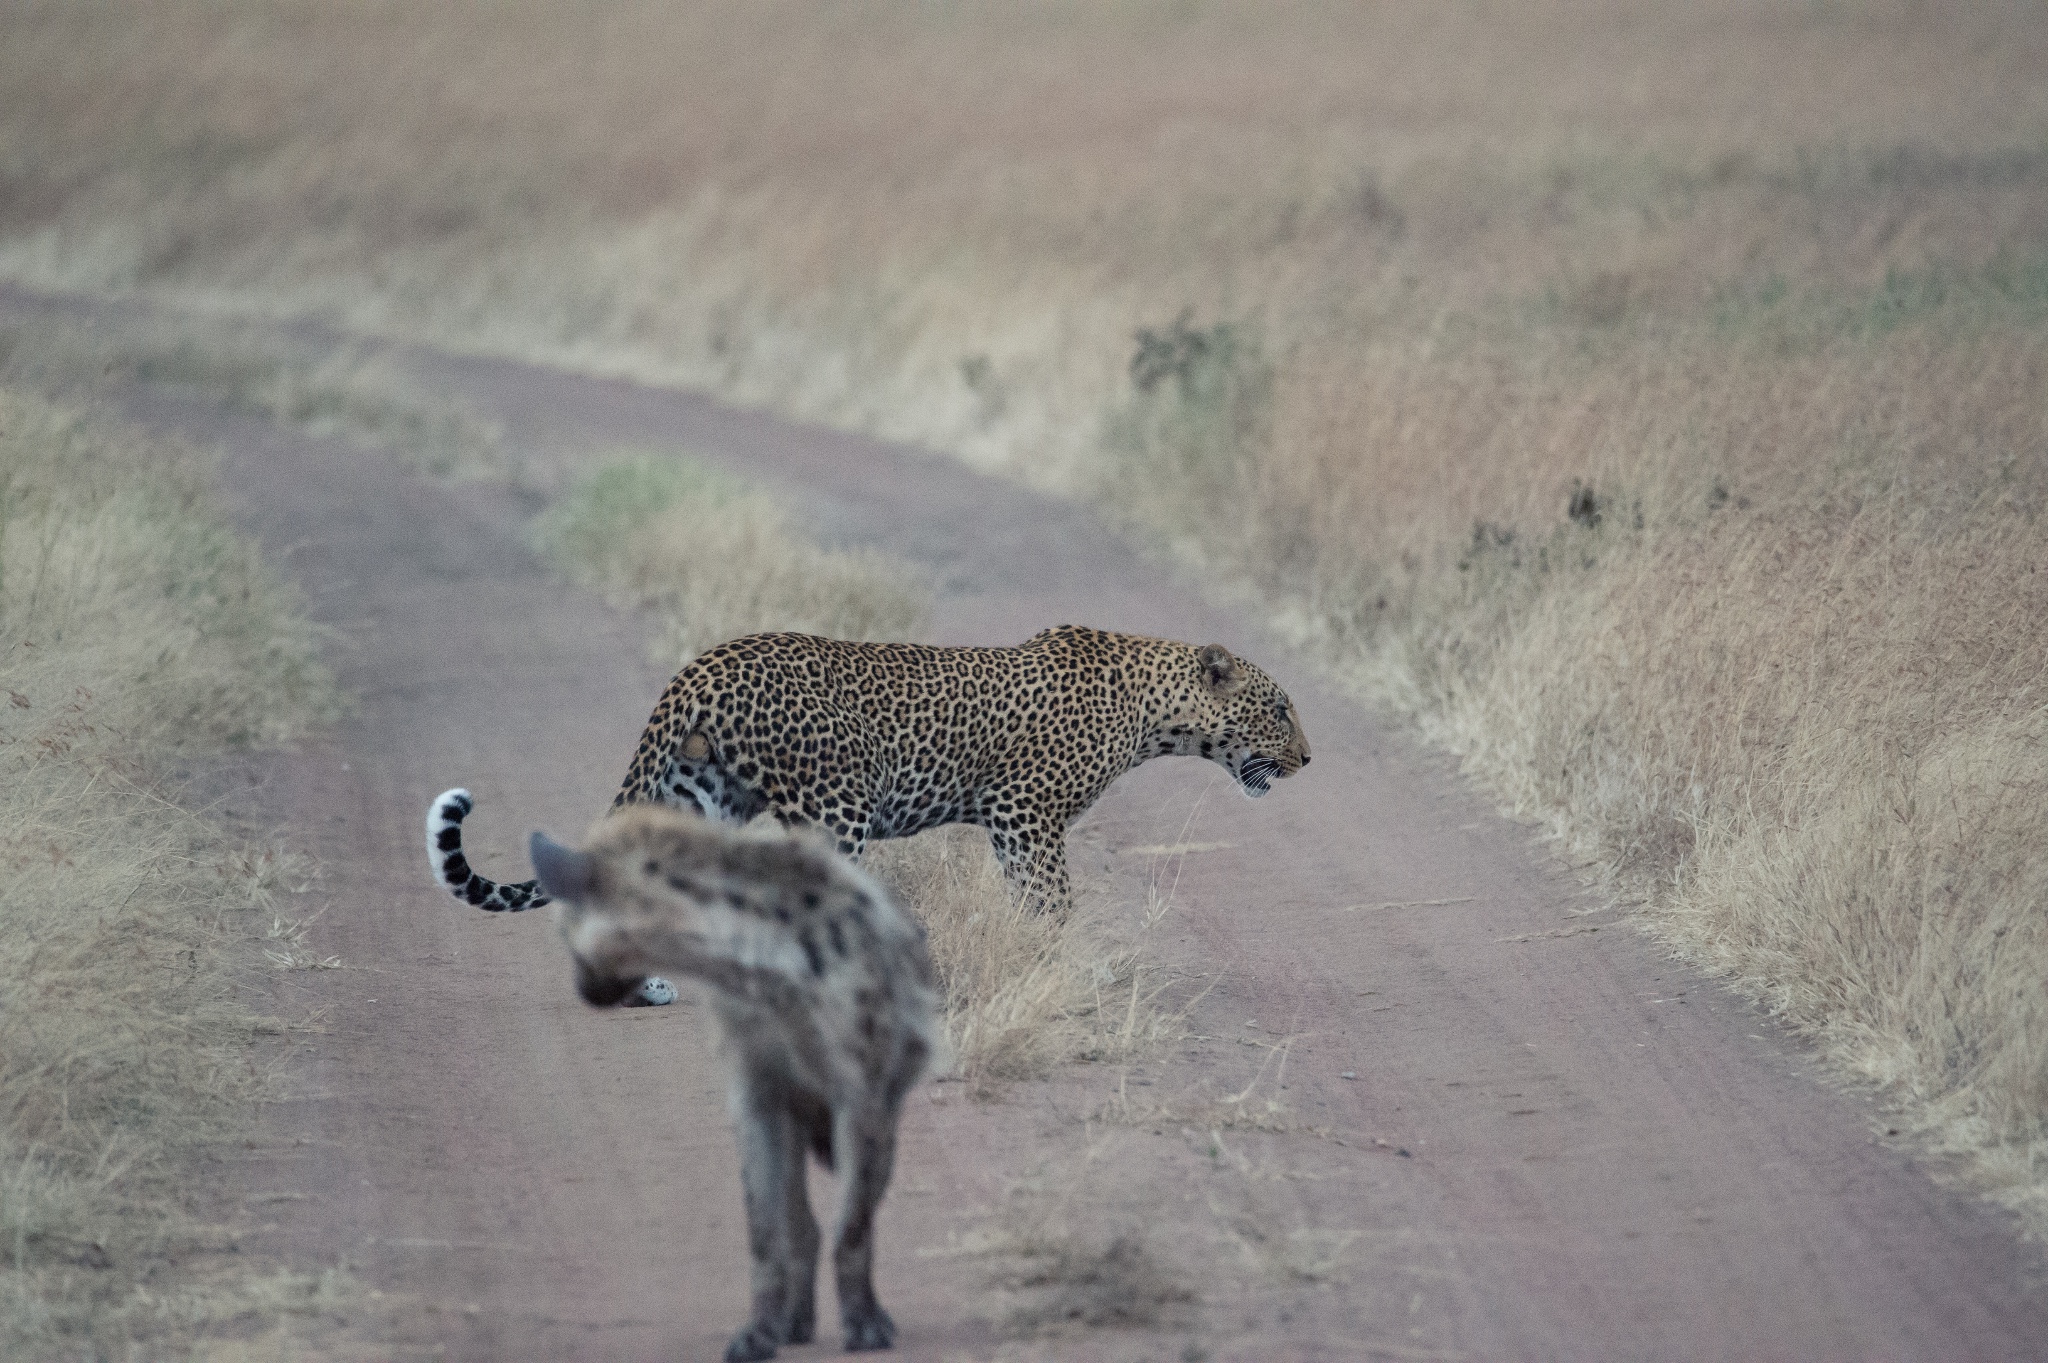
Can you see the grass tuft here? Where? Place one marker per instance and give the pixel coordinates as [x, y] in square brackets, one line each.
[1056, 1269]
[716, 560]
[1024, 991]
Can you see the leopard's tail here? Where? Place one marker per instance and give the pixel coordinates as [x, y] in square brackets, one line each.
[451, 868]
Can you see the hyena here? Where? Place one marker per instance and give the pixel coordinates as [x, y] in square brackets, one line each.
[823, 990]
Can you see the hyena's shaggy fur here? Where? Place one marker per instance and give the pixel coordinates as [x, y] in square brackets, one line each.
[824, 992]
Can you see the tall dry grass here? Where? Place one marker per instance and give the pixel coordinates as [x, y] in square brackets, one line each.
[1779, 679]
[136, 630]
[1025, 991]
[1756, 290]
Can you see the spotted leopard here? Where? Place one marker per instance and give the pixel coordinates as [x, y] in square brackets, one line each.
[869, 741]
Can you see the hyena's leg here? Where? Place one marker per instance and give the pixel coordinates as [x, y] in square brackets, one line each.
[864, 1142]
[782, 1237]
[813, 1130]
[1033, 854]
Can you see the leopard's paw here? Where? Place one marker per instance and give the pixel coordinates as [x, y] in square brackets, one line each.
[654, 992]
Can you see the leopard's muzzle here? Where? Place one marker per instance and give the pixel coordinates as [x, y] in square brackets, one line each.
[1256, 774]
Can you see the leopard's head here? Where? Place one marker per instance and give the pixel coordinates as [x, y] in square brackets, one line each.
[1244, 722]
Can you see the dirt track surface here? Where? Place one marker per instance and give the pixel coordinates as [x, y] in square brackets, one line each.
[1557, 1145]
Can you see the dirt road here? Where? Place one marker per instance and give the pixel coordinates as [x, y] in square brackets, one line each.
[1516, 1132]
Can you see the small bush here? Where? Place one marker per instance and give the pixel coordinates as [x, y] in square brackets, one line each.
[1194, 424]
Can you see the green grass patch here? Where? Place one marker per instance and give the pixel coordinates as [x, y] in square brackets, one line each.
[2009, 290]
[715, 559]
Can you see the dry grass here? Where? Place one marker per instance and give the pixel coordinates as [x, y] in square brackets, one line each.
[1768, 281]
[134, 629]
[1256, 1106]
[1268, 1248]
[1024, 991]
[1791, 702]
[946, 225]
[715, 560]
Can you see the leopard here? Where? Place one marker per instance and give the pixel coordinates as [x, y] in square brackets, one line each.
[826, 1006]
[869, 741]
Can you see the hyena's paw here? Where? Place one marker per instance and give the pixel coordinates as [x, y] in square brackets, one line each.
[757, 1341]
[870, 1330]
[800, 1324]
[654, 992]
[752, 1343]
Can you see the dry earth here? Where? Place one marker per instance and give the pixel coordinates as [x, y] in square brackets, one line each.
[1555, 1145]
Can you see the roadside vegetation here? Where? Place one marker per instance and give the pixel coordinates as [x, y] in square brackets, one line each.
[137, 634]
[714, 559]
[1646, 400]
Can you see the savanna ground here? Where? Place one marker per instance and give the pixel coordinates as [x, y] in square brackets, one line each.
[140, 641]
[1647, 401]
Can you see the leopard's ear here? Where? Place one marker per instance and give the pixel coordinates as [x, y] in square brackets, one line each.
[564, 872]
[1219, 669]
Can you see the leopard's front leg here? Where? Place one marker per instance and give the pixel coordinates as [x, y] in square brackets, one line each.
[1033, 853]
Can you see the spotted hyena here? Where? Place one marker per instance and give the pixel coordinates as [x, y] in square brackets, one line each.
[824, 993]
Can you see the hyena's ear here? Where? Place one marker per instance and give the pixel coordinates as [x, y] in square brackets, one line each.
[564, 872]
[1219, 669]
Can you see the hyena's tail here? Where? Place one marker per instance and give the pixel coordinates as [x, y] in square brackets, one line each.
[451, 868]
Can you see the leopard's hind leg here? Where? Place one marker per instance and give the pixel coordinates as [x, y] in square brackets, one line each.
[699, 778]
